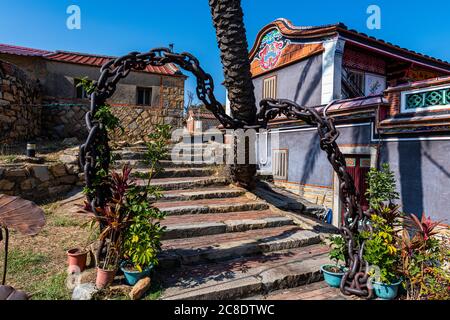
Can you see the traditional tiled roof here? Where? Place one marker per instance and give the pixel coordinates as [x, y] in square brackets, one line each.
[22, 51]
[81, 58]
[99, 60]
[344, 106]
[321, 32]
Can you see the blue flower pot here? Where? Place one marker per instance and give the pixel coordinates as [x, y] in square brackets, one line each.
[333, 279]
[132, 277]
[386, 291]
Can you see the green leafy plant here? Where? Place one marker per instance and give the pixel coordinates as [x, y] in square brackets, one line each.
[425, 256]
[380, 249]
[381, 238]
[157, 148]
[381, 186]
[338, 252]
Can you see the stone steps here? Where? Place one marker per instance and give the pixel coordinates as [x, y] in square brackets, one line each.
[208, 206]
[314, 291]
[245, 276]
[140, 164]
[188, 183]
[205, 193]
[188, 226]
[204, 249]
[176, 172]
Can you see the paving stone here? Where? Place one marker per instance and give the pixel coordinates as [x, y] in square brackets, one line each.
[225, 246]
[245, 276]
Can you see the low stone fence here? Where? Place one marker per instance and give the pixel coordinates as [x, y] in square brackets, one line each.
[39, 182]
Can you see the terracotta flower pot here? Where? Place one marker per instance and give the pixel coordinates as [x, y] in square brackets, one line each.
[76, 258]
[104, 278]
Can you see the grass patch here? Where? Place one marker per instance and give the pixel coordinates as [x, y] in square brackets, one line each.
[53, 288]
[24, 263]
[64, 221]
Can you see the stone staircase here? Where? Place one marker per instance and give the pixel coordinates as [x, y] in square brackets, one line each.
[223, 242]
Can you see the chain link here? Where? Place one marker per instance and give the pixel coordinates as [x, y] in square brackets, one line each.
[95, 152]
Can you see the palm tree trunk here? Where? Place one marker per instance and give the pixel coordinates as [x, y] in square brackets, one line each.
[228, 20]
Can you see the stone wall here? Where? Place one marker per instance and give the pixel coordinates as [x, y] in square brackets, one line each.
[39, 182]
[60, 121]
[138, 122]
[20, 110]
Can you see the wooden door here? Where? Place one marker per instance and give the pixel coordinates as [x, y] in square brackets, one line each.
[358, 166]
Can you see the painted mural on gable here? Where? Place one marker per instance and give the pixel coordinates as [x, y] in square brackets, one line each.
[271, 49]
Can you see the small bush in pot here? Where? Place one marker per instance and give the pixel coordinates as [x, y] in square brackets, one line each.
[333, 273]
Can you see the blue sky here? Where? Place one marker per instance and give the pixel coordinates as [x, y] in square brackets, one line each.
[115, 28]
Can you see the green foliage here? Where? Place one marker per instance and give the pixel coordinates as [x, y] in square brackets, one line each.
[87, 85]
[157, 147]
[425, 257]
[107, 118]
[381, 186]
[338, 250]
[143, 237]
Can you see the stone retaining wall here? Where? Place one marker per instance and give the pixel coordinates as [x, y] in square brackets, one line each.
[20, 110]
[66, 121]
[39, 182]
[60, 121]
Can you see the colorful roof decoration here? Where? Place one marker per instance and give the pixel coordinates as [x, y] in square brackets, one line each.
[81, 58]
[290, 32]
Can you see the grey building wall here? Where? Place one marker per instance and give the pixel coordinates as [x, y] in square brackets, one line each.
[300, 82]
[308, 164]
[422, 170]
[59, 82]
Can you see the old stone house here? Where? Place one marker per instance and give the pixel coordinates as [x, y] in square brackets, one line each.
[391, 105]
[39, 95]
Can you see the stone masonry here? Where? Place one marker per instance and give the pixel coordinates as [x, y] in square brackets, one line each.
[20, 110]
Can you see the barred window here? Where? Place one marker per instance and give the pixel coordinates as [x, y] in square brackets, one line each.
[270, 88]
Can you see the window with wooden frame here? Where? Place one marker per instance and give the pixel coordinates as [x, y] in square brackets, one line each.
[144, 96]
[280, 164]
[270, 88]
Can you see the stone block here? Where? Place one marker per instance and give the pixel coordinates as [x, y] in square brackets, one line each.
[6, 185]
[58, 170]
[17, 173]
[68, 180]
[140, 288]
[28, 184]
[41, 172]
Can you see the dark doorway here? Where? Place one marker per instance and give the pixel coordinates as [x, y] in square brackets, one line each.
[358, 166]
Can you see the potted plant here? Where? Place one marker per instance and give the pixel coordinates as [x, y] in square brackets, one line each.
[381, 239]
[333, 273]
[142, 244]
[76, 259]
[142, 239]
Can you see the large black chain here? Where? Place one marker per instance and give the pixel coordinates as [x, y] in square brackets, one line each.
[95, 152]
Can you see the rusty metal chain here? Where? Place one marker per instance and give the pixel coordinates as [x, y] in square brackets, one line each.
[95, 152]
[356, 278]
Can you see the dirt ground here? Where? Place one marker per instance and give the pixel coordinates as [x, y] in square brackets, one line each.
[38, 264]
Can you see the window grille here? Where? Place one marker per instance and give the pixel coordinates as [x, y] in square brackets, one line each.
[270, 88]
[280, 164]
